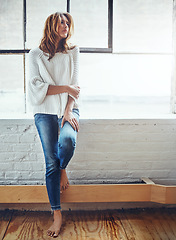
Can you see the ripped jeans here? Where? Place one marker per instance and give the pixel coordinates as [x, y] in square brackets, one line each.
[58, 147]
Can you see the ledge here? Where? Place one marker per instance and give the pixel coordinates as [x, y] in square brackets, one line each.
[148, 192]
[125, 116]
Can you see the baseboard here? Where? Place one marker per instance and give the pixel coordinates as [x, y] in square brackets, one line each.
[102, 193]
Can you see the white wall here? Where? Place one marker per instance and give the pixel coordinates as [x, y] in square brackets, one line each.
[107, 151]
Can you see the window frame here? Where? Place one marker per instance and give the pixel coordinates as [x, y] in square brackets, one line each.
[108, 49]
[82, 50]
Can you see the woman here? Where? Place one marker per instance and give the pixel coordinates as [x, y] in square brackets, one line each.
[53, 93]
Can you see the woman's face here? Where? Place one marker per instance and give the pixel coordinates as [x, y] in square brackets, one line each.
[63, 28]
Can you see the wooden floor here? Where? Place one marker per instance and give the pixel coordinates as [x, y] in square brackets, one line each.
[138, 224]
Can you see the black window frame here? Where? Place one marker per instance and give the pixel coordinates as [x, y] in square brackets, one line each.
[23, 51]
[109, 48]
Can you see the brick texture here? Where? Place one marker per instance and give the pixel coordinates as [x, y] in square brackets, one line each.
[107, 151]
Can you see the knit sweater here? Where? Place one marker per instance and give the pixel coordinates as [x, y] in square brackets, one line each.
[62, 69]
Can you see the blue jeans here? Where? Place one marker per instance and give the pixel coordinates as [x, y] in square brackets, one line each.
[58, 147]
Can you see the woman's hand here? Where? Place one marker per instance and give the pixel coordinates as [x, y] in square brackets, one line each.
[69, 117]
[74, 91]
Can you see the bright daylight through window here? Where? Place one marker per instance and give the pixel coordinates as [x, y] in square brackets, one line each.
[130, 77]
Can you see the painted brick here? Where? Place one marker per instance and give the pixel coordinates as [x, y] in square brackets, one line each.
[2, 174]
[38, 166]
[26, 128]
[137, 165]
[21, 147]
[107, 150]
[27, 138]
[4, 157]
[8, 129]
[164, 165]
[37, 176]
[6, 147]
[5, 166]
[156, 174]
[21, 166]
[12, 175]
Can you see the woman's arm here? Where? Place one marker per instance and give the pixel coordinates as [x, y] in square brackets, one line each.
[53, 90]
[70, 89]
[68, 115]
[73, 93]
[37, 87]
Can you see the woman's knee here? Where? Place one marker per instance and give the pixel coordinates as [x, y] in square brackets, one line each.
[51, 168]
[67, 144]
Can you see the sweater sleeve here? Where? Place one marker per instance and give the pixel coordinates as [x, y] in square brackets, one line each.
[37, 87]
[74, 80]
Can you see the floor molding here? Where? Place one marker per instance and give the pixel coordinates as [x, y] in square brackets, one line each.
[147, 192]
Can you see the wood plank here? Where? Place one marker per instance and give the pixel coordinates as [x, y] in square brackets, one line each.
[171, 218]
[147, 180]
[5, 217]
[83, 225]
[23, 194]
[158, 193]
[114, 226]
[168, 220]
[153, 228]
[107, 193]
[163, 194]
[126, 225]
[138, 225]
[92, 193]
[29, 226]
[159, 222]
[170, 195]
[78, 193]
[99, 225]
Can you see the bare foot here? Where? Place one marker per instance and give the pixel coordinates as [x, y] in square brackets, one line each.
[54, 230]
[64, 183]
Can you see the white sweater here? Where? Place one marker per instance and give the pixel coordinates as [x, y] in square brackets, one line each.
[62, 69]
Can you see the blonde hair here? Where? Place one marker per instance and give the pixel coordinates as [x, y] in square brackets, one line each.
[51, 41]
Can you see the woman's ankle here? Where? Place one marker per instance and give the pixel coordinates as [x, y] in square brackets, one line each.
[57, 212]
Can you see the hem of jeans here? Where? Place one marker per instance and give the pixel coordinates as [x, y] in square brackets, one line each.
[58, 207]
[62, 168]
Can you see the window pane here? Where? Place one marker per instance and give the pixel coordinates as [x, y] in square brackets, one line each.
[11, 24]
[121, 84]
[91, 23]
[143, 26]
[37, 13]
[11, 84]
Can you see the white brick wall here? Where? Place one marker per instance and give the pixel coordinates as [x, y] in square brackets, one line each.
[107, 151]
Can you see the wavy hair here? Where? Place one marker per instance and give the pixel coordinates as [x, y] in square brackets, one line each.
[51, 41]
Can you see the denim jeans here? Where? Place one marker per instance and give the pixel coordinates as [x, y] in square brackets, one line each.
[58, 147]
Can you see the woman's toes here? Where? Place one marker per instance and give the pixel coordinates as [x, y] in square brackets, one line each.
[48, 232]
[55, 234]
[67, 185]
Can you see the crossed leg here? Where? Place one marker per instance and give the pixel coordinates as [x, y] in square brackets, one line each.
[64, 182]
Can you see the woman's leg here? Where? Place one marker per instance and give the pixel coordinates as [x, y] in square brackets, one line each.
[66, 147]
[47, 126]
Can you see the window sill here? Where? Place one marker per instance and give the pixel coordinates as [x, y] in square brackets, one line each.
[98, 117]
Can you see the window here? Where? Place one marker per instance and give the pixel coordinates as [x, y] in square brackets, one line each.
[91, 23]
[36, 14]
[11, 24]
[143, 26]
[136, 78]
[125, 60]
